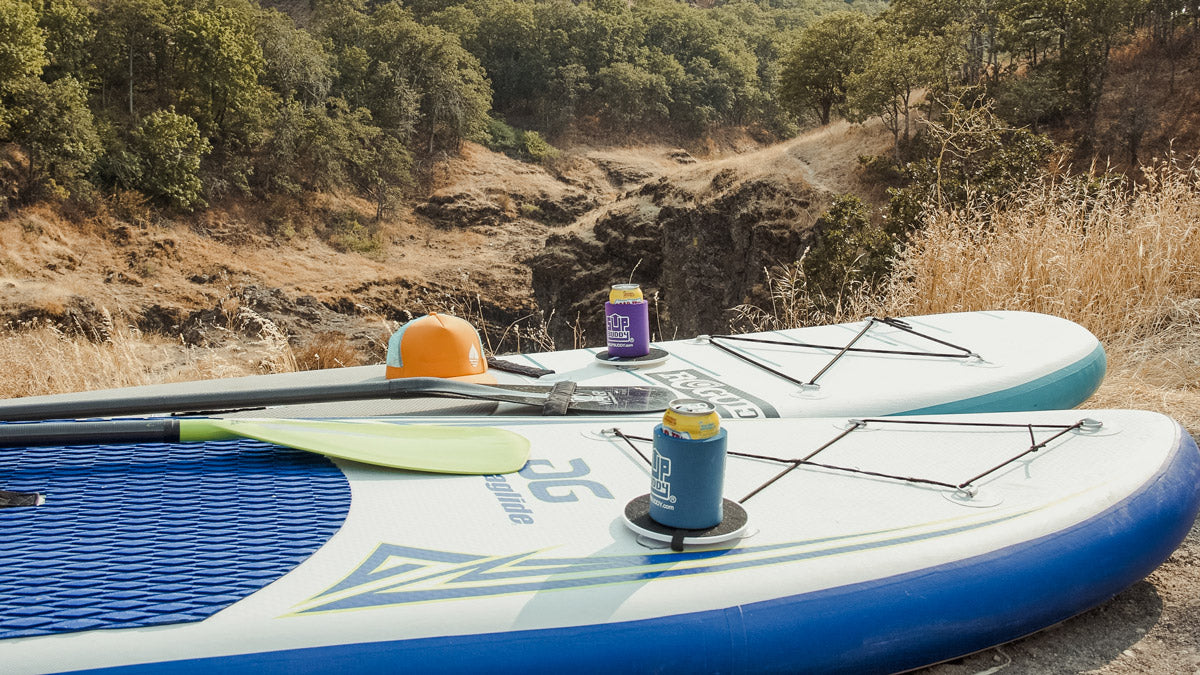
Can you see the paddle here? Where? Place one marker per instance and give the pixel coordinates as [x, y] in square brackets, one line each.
[627, 400]
[465, 450]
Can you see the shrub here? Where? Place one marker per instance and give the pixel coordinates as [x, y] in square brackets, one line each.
[500, 137]
[851, 251]
[966, 154]
[518, 143]
[54, 127]
[537, 148]
[168, 148]
[347, 234]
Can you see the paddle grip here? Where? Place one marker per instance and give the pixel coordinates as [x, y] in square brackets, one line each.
[226, 399]
[89, 433]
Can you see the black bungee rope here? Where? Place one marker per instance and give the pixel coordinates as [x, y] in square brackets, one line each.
[856, 424]
[959, 353]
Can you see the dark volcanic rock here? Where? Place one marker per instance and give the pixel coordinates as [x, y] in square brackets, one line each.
[716, 251]
[623, 175]
[696, 254]
[249, 312]
[563, 210]
[463, 209]
[493, 207]
[76, 316]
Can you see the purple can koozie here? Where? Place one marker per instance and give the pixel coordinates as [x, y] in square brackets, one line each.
[627, 328]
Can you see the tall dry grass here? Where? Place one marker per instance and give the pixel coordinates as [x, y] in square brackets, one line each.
[1121, 260]
[45, 360]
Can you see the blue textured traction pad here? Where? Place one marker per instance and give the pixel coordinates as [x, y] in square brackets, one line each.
[144, 535]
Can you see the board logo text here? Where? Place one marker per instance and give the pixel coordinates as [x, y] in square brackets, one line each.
[730, 401]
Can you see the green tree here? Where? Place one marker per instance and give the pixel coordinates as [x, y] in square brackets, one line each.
[335, 147]
[456, 95]
[216, 65]
[508, 44]
[295, 64]
[825, 54]
[966, 34]
[283, 165]
[1094, 28]
[627, 96]
[312, 147]
[379, 167]
[22, 43]
[1031, 99]
[719, 80]
[768, 34]
[1074, 39]
[886, 87]
[131, 49]
[1030, 28]
[849, 250]
[22, 54]
[55, 129]
[568, 86]
[168, 148]
[69, 37]
[421, 81]
[342, 25]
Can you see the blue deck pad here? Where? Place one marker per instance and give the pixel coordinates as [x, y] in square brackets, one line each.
[143, 535]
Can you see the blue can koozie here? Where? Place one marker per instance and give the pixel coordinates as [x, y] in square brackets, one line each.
[687, 483]
[627, 328]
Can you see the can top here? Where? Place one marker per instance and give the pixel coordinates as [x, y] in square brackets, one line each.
[692, 406]
[625, 293]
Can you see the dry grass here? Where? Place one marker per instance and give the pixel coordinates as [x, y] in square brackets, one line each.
[44, 360]
[327, 350]
[277, 355]
[41, 358]
[1120, 262]
[1123, 262]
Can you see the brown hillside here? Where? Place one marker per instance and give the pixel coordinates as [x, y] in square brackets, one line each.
[199, 280]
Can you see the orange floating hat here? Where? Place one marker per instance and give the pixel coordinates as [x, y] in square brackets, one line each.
[437, 345]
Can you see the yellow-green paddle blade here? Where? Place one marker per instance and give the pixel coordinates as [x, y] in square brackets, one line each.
[465, 450]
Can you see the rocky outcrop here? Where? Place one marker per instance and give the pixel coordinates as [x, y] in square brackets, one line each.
[249, 312]
[73, 315]
[464, 209]
[470, 208]
[256, 313]
[696, 253]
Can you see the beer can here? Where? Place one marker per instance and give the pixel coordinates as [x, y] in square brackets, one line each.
[691, 418]
[627, 322]
[687, 479]
[622, 294]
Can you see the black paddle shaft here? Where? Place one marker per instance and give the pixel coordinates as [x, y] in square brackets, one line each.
[584, 399]
[161, 430]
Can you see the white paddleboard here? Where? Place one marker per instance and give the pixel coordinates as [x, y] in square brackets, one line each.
[945, 363]
[873, 557]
